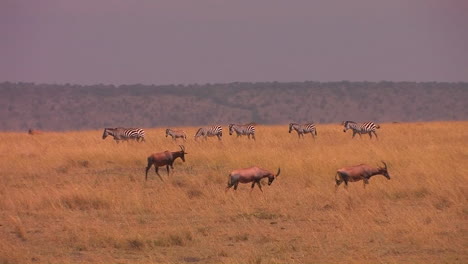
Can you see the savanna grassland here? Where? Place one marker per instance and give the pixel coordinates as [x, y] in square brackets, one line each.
[72, 197]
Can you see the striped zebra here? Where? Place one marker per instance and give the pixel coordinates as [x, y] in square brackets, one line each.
[125, 134]
[209, 132]
[361, 128]
[242, 130]
[176, 134]
[302, 129]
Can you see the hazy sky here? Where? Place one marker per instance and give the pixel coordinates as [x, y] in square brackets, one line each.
[217, 41]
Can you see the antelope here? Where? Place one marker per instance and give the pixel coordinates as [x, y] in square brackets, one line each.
[252, 174]
[165, 158]
[34, 132]
[176, 134]
[359, 172]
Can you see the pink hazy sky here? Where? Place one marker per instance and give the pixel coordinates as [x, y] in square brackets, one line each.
[218, 41]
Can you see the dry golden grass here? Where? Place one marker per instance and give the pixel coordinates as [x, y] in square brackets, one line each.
[73, 197]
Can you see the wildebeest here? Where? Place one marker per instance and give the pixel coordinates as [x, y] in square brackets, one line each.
[165, 158]
[359, 172]
[252, 174]
[176, 134]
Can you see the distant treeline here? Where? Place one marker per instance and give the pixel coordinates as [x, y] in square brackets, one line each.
[61, 107]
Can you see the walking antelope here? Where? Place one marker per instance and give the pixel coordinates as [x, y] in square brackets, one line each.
[209, 132]
[253, 175]
[361, 128]
[242, 130]
[176, 134]
[359, 172]
[165, 158]
[302, 129]
[125, 134]
[34, 132]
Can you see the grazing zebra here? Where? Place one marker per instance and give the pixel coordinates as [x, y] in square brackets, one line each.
[242, 130]
[121, 133]
[302, 129]
[176, 134]
[361, 128]
[209, 132]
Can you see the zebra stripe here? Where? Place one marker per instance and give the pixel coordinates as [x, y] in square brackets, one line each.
[302, 129]
[242, 130]
[209, 132]
[176, 134]
[121, 133]
[361, 128]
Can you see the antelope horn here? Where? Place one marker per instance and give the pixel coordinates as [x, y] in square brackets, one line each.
[183, 148]
[384, 164]
[279, 170]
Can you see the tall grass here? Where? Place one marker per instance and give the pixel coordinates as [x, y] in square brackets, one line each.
[73, 197]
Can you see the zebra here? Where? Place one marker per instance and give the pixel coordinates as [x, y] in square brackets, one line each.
[242, 130]
[302, 129]
[176, 134]
[209, 132]
[361, 128]
[121, 133]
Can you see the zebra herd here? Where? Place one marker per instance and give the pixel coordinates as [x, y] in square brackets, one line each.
[248, 130]
[254, 174]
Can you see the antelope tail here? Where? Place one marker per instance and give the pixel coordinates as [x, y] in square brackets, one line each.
[337, 177]
[229, 183]
[150, 161]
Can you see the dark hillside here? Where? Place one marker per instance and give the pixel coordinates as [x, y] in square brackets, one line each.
[75, 107]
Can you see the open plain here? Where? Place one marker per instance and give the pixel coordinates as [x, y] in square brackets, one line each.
[73, 197]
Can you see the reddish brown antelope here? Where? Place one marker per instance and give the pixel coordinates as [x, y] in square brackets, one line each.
[165, 158]
[252, 174]
[359, 172]
[34, 132]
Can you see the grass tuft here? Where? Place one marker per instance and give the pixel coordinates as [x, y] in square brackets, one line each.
[18, 227]
[84, 202]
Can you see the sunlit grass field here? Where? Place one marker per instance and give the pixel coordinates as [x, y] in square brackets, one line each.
[72, 197]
